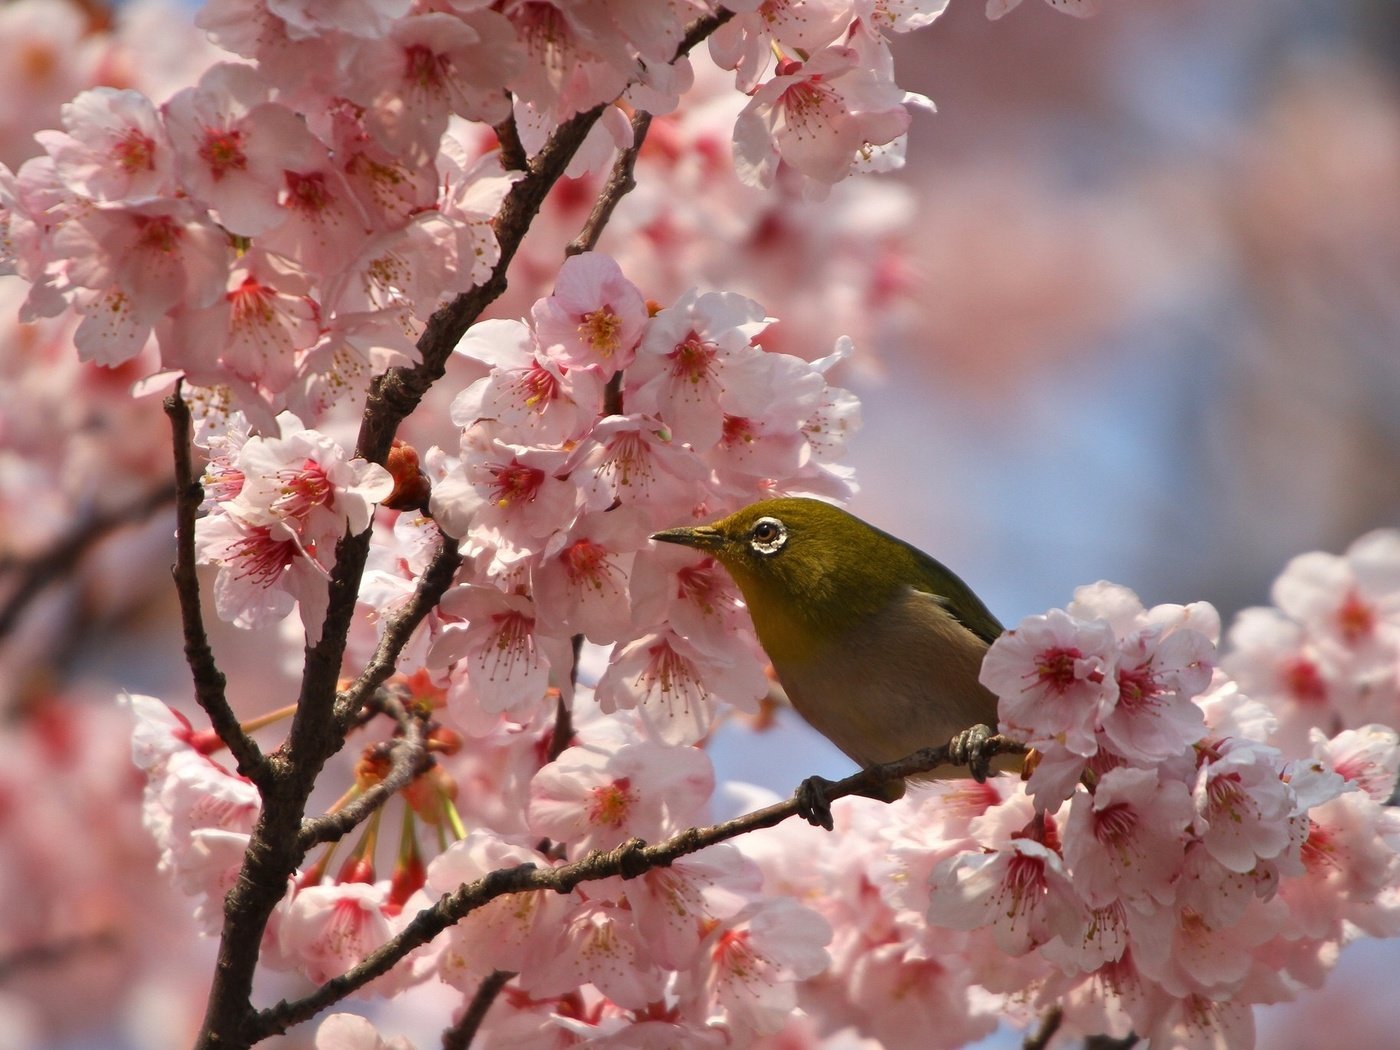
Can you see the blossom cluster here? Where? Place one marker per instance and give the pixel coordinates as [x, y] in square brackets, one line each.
[283, 228]
[1162, 869]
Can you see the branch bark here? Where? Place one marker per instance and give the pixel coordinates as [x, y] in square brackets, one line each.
[629, 860]
[209, 681]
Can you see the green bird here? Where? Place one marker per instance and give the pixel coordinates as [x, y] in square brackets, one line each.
[877, 645]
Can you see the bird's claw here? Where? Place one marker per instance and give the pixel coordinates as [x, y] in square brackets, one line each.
[813, 804]
[966, 749]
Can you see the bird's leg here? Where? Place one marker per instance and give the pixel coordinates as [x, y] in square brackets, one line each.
[814, 803]
[965, 749]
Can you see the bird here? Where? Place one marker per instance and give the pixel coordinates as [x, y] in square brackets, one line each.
[877, 645]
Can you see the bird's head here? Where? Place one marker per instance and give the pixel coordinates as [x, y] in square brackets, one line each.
[808, 570]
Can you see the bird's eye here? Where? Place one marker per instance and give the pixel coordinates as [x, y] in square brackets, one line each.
[768, 536]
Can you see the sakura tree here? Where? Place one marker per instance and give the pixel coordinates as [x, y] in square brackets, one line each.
[417, 431]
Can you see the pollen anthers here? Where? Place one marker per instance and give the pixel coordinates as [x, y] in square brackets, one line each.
[601, 329]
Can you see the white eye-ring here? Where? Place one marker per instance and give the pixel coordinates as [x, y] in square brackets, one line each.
[768, 536]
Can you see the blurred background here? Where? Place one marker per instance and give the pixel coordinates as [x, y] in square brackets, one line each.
[1137, 317]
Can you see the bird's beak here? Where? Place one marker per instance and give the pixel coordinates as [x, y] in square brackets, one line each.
[702, 537]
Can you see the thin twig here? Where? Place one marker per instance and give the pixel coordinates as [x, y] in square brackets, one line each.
[1108, 1042]
[408, 757]
[62, 558]
[432, 585]
[51, 953]
[513, 156]
[1049, 1025]
[621, 181]
[629, 860]
[461, 1034]
[209, 681]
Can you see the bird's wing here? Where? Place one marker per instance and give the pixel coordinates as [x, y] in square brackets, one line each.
[957, 598]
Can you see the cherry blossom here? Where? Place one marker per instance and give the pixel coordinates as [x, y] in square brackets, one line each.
[327, 929]
[114, 149]
[597, 800]
[754, 957]
[230, 143]
[1053, 673]
[816, 116]
[1022, 892]
[595, 317]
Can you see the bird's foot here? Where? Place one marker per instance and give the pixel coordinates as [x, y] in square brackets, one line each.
[965, 749]
[814, 800]
[813, 803]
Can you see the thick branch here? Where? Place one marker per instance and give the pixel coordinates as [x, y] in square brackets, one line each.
[631, 859]
[209, 681]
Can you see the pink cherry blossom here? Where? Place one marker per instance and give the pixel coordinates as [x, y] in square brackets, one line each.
[1053, 674]
[674, 686]
[695, 596]
[755, 957]
[125, 265]
[634, 460]
[594, 318]
[676, 905]
[232, 144]
[681, 369]
[503, 660]
[1242, 805]
[509, 497]
[430, 66]
[1158, 674]
[1127, 840]
[514, 932]
[815, 116]
[254, 331]
[596, 800]
[1022, 892]
[529, 395]
[745, 43]
[330, 928]
[598, 944]
[1368, 757]
[114, 149]
[305, 484]
[352, 1032]
[581, 579]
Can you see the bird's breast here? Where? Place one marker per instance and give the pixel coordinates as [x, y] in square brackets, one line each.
[899, 680]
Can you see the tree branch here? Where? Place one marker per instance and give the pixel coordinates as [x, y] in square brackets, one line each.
[432, 585]
[408, 757]
[61, 559]
[629, 860]
[1049, 1025]
[620, 182]
[209, 681]
[461, 1034]
[513, 157]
